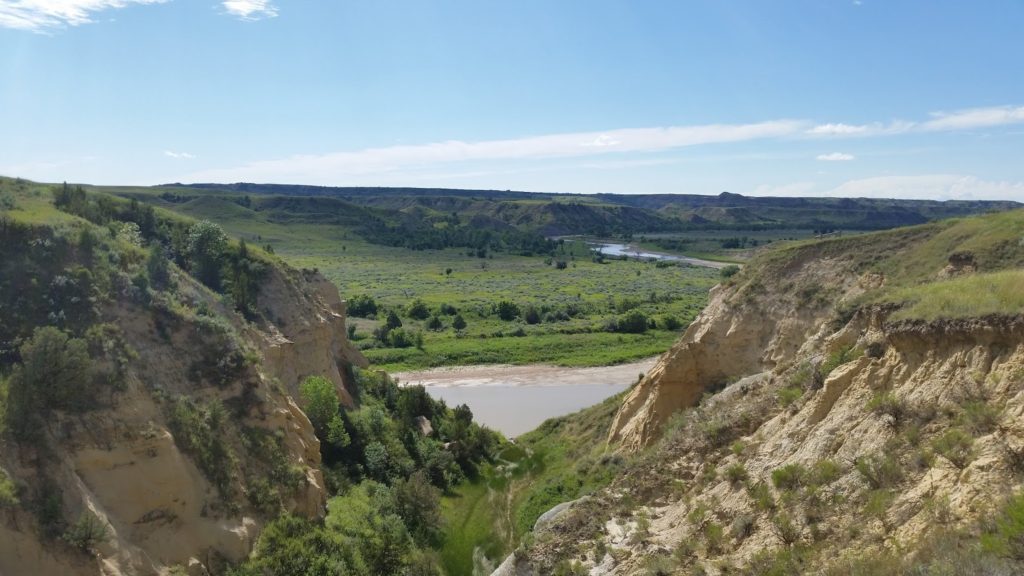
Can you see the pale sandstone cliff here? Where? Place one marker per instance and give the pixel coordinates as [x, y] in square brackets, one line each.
[124, 465]
[801, 380]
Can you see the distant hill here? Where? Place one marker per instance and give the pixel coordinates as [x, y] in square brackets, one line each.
[602, 214]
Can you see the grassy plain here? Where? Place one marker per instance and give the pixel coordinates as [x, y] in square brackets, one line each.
[396, 276]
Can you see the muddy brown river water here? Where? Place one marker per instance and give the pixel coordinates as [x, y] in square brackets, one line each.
[516, 399]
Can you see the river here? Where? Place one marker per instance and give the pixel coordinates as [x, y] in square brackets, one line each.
[612, 249]
[517, 399]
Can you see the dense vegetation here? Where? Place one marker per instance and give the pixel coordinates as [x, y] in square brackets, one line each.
[388, 464]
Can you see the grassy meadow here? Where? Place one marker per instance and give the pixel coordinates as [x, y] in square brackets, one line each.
[575, 302]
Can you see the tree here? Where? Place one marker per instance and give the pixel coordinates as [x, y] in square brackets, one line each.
[531, 315]
[418, 310]
[322, 404]
[393, 321]
[507, 310]
[55, 373]
[459, 323]
[158, 268]
[419, 505]
[435, 323]
[206, 246]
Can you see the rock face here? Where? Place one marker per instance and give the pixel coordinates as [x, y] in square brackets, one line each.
[832, 427]
[739, 333]
[124, 465]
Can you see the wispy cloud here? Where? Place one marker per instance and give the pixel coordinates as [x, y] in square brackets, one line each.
[975, 118]
[922, 186]
[250, 9]
[838, 129]
[836, 157]
[45, 15]
[179, 155]
[336, 167]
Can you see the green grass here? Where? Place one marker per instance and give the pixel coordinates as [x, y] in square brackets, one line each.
[964, 297]
[471, 523]
[396, 276]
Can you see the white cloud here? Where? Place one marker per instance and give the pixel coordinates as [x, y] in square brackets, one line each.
[975, 118]
[179, 155]
[920, 187]
[336, 167]
[43, 15]
[250, 9]
[837, 130]
[836, 157]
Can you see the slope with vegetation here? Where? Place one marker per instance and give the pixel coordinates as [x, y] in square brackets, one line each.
[847, 406]
[152, 371]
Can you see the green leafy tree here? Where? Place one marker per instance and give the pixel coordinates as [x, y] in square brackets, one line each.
[55, 373]
[393, 321]
[158, 268]
[507, 310]
[435, 324]
[418, 310]
[321, 403]
[206, 248]
[459, 323]
[419, 504]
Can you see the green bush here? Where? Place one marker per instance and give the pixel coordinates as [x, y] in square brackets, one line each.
[838, 358]
[362, 306]
[790, 477]
[418, 310]
[55, 373]
[881, 471]
[8, 491]
[729, 271]
[736, 473]
[956, 446]
[87, 532]
[789, 395]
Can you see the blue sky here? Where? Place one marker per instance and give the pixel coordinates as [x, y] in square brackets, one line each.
[827, 97]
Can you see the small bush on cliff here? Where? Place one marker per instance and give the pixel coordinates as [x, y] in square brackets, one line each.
[87, 532]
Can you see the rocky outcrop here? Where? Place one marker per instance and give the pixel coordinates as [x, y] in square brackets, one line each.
[740, 332]
[831, 428]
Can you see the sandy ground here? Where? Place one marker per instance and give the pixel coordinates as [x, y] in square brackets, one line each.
[528, 375]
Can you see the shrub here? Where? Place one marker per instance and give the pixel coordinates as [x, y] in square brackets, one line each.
[459, 323]
[880, 470]
[8, 491]
[55, 373]
[956, 446]
[362, 306]
[736, 473]
[633, 322]
[321, 403]
[887, 403]
[393, 321]
[448, 309]
[669, 322]
[531, 315]
[789, 477]
[507, 311]
[729, 271]
[418, 310]
[789, 395]
[435, 324]
[979, 417]
[838, 358]
[87, 532]
[825, 472]
[761, 495]
[201, 432]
